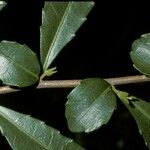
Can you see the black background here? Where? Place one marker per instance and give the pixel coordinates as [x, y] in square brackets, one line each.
[100, 49]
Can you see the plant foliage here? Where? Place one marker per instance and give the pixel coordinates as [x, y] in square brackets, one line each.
[60, 21]
[140, 54]
[24, 132]
[90, 105]
[19, 66]
[141, 112]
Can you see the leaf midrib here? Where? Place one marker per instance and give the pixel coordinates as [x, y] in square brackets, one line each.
[141, 110]
[21, 129]
[17, 64]
[45, 67]
[87, 110]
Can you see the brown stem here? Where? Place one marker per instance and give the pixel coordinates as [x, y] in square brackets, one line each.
[73, 83]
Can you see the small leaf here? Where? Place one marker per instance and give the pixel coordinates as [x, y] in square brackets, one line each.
[141, 112]
[140, 54]
[26, 133]
[90, 105]
[48, 73]
[19, 66]
[60, 21]
[2, 4]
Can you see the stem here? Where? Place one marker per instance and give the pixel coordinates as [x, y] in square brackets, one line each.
[74, 83]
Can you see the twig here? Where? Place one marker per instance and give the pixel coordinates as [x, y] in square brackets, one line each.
[74, 83]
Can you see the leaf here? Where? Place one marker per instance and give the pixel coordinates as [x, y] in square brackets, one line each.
[60, 21]
[141, 112]
[26, 133]
[90, 105]
[48, 73]
[19, 66]
[2, 5]
[122, 95]
[140, 54]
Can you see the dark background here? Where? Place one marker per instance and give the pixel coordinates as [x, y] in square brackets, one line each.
[100, 49]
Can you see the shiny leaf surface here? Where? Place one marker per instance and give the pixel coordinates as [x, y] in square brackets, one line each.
[90, 105]
[26, 133]
[60, 21]
[19, 66]
[140, 54]
[141, 112]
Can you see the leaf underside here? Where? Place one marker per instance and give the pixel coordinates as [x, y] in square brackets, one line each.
[90, 105]
[26, 133]
[19, 66]
[60, 21]
[141, 112]
[140, 54]
[2, 5]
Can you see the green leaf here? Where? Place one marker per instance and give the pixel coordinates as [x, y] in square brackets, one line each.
[26, 133]
[124, 96]
[90, 105]
[2, 4]
[141, 112]
[60, 21]
[140, 54]
[19, 66]
[48, 73]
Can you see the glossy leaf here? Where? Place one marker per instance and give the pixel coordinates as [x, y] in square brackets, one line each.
[19, 66]
[60, 21]
[141, 112]
[90, 105]
[140, 54]
[25, 133]
[2, 4]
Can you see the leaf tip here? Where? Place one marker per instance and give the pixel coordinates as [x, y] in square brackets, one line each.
[92, 3]
[2, 4]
